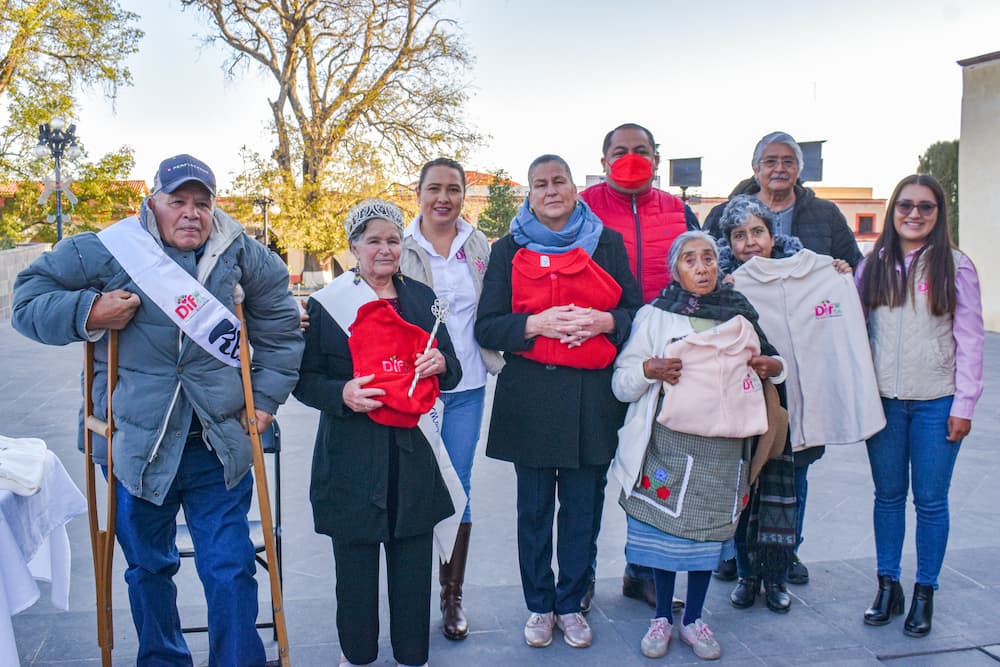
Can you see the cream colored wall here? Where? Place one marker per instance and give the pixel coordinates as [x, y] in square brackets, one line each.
[979, 180]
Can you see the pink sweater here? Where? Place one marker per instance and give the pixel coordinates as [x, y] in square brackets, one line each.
[718, 395]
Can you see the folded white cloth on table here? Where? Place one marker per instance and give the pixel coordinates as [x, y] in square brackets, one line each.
[22, 464]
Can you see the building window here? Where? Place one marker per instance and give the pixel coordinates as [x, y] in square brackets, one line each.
[865, 224]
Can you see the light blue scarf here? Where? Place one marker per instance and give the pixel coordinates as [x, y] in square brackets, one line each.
[582, 230]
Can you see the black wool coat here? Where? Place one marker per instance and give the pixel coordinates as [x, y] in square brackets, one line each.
[551, 416]
[352, 498]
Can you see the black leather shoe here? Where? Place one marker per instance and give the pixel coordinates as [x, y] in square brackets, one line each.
[778, 599]
[588, 597]
[745, 593]
[918, 621]
[639, 588]
[889, 601]
[726, 571]
[798, 573]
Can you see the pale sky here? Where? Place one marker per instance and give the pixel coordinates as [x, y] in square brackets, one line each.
[876, 79]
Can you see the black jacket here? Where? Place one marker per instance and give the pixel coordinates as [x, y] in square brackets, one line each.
[817, 223]
[551, 416]
[351, 498]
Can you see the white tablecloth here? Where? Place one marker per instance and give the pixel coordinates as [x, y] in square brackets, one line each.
[34, 545]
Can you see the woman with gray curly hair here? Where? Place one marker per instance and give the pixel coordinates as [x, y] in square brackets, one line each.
[747, 226]
[369, 369]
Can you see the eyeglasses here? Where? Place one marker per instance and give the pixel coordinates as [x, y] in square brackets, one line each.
[772, 162]
[924, 208]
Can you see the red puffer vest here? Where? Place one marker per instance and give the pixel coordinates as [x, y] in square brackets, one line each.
[539, 281]
[649, 222]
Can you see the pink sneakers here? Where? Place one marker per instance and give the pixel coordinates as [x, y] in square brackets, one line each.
[699, 637]
[657, 639]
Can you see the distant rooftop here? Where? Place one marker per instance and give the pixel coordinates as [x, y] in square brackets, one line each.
[976, 60]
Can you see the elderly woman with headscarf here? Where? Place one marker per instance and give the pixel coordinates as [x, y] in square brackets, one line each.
[786, 284]
[692, 372]
[375, 477]
[558, 298]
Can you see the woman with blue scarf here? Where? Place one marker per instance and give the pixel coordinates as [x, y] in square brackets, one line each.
[558, 299]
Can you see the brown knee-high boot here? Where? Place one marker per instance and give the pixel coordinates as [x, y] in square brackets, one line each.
[452, 576]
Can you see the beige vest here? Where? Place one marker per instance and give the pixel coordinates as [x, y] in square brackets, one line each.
[913, 350]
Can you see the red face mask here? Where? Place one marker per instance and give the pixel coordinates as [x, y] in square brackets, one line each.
[631, 171]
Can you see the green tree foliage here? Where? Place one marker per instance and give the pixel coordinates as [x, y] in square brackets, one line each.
[103, 195]
[362, 90]
[940, 160]
[501, 206]
[50, 50]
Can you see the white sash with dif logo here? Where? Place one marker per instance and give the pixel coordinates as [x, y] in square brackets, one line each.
[177, 293]
[341, 299]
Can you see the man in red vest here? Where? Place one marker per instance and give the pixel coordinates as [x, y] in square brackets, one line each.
[649, 219]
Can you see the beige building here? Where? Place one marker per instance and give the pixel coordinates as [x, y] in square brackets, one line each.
[979, 176]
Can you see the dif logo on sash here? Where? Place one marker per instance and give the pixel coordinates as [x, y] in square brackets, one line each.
[187, 305]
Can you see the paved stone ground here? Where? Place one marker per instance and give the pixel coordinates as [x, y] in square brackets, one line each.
[39, 396]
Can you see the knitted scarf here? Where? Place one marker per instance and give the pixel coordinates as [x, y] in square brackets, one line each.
[773, 512]
[722, 304]
[582, 230]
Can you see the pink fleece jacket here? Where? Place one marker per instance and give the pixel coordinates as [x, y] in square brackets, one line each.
[716, 379]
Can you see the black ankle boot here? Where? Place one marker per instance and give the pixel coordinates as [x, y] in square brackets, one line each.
[745, 593]
[889, 602]
[918, 621]
[777, 597]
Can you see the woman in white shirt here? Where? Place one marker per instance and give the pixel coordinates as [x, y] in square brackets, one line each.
[444, 251]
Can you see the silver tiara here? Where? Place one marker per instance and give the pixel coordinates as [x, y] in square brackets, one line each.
[370, 209]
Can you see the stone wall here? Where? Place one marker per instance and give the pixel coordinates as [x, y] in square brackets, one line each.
[11, 263]
[979, 176]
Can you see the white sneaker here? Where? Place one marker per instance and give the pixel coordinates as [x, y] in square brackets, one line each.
[657, 639]
[699, 637]
[538, 630]
[576, 631]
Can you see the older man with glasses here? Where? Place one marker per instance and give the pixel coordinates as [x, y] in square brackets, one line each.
[822, 228]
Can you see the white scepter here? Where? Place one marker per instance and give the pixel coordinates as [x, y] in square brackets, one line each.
[439, 309]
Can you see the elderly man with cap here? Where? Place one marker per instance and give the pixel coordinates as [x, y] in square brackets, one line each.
[179, 403]
[820, 226]
[649, 219]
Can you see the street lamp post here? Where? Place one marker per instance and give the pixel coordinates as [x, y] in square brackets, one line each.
[265, 202]
[54, 140]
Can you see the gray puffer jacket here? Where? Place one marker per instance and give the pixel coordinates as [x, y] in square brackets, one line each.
[163, 375]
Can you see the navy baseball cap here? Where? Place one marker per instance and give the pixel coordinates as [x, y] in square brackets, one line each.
[177, 170]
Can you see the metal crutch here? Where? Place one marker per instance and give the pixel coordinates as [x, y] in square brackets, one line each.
[102, 542]
[263, 497]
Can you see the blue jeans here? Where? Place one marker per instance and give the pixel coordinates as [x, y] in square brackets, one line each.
[912, 448]
[217, 519]
[463, 418]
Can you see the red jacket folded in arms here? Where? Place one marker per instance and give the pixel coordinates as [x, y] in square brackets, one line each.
[540, 281]
[384, 344]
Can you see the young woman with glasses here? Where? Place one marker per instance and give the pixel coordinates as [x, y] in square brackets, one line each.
[926, 330]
